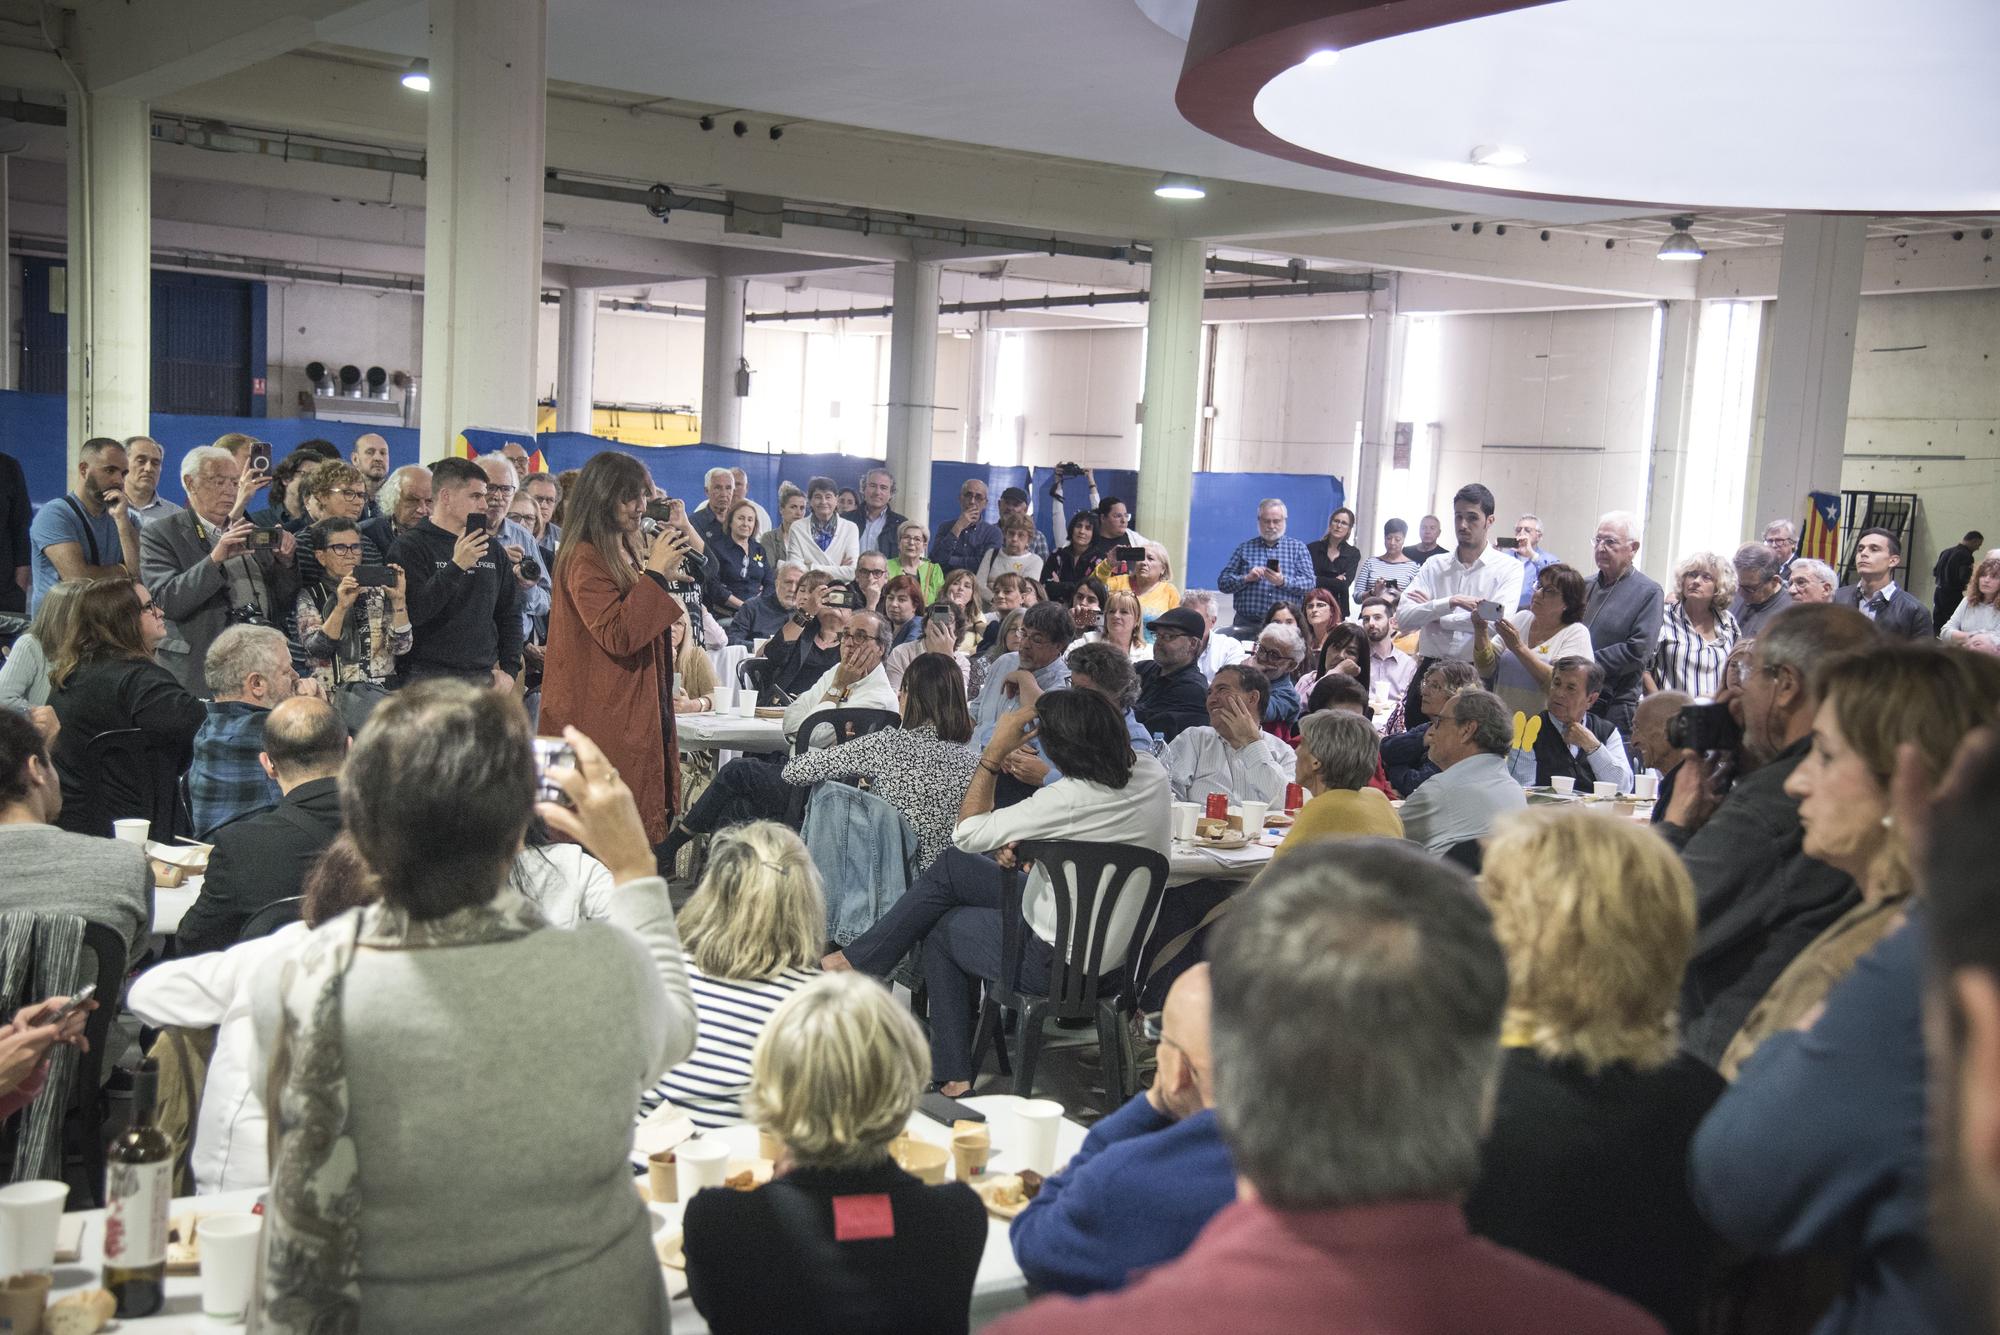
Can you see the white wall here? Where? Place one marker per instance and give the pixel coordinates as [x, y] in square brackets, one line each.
[311, 322]
[1081, 389]
[1287, 395]
[1570, 386]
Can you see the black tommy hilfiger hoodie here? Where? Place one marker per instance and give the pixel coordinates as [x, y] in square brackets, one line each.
[466, 621]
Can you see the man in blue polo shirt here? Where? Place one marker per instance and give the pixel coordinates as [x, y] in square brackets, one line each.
[87, 534]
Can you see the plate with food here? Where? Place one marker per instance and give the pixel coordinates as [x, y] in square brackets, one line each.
[1007, 1194]
[183, 1245]
[770, 711]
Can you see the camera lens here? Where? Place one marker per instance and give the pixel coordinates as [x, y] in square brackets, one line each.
[530, 568]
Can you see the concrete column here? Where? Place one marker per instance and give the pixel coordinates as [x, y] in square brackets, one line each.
[576, 360]
[110, 270]
[10, 352]
[913, 334]
[721, 354]
[1172, 395]
[1379, 395]
[483, 217]
[1673, 406]
[1812, 364]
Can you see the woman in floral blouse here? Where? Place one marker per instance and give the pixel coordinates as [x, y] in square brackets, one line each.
[353, 635]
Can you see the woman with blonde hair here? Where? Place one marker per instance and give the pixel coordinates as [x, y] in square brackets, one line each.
[1151, 581]
[752, 935]
[1698, 631]
[835, 1077]
[1975, 623]
[24, 679]
[694, 675]
[1122, 625]
[1915, 694]
[1585, 1167]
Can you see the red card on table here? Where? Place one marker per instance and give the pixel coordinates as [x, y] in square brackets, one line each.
[861, 1218]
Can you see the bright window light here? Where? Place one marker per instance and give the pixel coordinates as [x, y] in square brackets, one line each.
[1720, 417]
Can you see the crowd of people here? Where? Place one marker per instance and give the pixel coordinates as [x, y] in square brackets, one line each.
[1613, 904]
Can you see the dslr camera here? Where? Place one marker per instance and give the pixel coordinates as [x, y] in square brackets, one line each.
[1705, 728]
[1069, 470]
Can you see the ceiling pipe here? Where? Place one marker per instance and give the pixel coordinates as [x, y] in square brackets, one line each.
[1342, 283]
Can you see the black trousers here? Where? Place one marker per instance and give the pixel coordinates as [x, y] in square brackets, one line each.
[748, 788]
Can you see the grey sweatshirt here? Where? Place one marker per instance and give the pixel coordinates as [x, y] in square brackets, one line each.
[1624, 620]
[46, 870]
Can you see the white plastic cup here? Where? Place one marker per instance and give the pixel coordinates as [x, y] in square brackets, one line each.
[30, 1214]
[1253, 817]
[1604, 788]
[1563, 783]
[701, 1162]
[1646, 787]
[1185, 815]
[1035, 1122]
[228, 1245]
[133, 829]
[746, 704]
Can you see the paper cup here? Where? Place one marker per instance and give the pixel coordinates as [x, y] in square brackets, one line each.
[920, 1159]
[746, 704]
[663, 1177]
[1035, 1123]
[969, 1152]
[769, 1146]
[1185, 815]
[1604, 788]
[30, 1213]
[228, 1262]
[133, 829]
[1646, 787]
[704, 1162]
[23, 1301]
[1253, 817]
[1563, 783]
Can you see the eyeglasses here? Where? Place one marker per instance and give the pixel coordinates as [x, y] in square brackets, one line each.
[1607, 540]
[491, 491]
[344, 548]
[858, 636]
[349, 492]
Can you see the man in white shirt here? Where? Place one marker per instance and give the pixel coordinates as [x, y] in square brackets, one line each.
[1233, 755]
[1222, 650]
[857, 681]
[1469, 742]
[1442, 598]
[1389, 668]
[1573, 742]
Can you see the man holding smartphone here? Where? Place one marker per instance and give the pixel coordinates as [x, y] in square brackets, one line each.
[1443, 604]
[463, 597]
[1265, 570]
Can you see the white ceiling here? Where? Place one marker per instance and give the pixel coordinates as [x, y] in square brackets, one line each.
[1834, 105]
[1086, 79]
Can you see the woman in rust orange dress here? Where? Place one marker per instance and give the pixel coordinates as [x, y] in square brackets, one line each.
[609, 669]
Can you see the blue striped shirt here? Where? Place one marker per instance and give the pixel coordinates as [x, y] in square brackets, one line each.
[709, 1084]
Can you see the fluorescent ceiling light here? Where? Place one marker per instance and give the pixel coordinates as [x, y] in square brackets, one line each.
[418, 77]
[1174, 186]
[1499, 155]
[1322, 58]
[1682, 245]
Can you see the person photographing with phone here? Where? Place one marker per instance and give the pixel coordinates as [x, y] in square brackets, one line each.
[463, 598]
[809, 642]
[1267, 569]
[1458, 593]
[354, 622]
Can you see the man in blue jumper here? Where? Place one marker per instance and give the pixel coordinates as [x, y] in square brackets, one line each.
[1148, 1178]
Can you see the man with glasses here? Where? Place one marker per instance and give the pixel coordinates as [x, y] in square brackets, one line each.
[249, 672]
[1265, 570]
[1782, 537]
[963, 543]
[210, 567]
[1148, 1178]
[517, 542]
[1527, 549]
[871, 572]
[1468, 743]
[1623, 611]
[463, 597]
[1046, 631]
[142, 485]
[1173, 695]
[1760, 589]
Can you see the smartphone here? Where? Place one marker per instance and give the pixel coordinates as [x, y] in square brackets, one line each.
[374, 577]
[835, 595]
[260, 458]
[263, 537]
[1491, 611]
[73, 1005]
[1272, 565]
[941, 1109]
[551, 753]
[1507, 544]
[476, 522]
[660, 512]
[1134, 555]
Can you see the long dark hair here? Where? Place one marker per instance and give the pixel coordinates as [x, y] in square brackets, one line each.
[608, 480]
[1084, 736]
[934, 687]
[1342, 637]
[105, 626]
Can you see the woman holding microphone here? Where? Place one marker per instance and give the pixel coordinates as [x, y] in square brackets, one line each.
[610, 670]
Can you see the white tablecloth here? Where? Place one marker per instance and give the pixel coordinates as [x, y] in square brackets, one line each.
[1189, 862]
[725, 661]
[170, 906]
[998, 1288]
[726, 732]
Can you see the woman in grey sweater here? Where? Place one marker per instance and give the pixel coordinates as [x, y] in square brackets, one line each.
[453, 1075]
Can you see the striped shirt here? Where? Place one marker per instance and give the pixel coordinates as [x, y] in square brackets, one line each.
[710, 1083]
[1687, 662]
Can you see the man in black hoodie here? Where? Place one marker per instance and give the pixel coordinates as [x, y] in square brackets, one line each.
[462, 593]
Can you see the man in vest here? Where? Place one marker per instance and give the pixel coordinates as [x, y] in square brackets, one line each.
[1575, 742]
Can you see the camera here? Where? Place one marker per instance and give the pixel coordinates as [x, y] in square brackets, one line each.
[263, 537]
[660, 512]
[834, 595]
[1704, 728]
[1068, 470]
[529, 569]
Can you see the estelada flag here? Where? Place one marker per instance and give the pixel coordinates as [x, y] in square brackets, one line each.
[1819, 536]
[537, 464]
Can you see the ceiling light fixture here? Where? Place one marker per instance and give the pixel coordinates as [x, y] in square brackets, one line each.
[1173, 186]
[1682, 245]
[1499, 155]
[1322, 58]
[417, 78]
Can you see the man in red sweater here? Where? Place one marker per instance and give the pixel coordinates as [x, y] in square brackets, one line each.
[1356, 1025]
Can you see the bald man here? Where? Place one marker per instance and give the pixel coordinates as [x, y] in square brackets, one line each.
[370, 458]
[502, 481]
[1649, 740]
[1148, 1178]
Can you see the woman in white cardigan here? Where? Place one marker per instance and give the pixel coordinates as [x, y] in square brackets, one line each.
[823, 540]
[453, 1078]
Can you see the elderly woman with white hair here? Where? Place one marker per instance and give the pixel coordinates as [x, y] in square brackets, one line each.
[1811, 581]
[1698, 629]
[1280, 653]
[1337, 756]
[841, 1238]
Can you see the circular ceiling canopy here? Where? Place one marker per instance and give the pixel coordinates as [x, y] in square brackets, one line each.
[1798, 105]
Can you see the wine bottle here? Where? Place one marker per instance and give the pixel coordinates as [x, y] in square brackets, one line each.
[138, 1186]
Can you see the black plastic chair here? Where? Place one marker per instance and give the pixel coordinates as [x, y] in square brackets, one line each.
[1085, 904]
[271, 917]
[753, 673]
[83, 1134]
[847, 724]
[1467, 854]
[152, 769]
